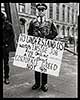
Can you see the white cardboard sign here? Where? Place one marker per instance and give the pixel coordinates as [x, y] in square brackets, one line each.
[39, 54]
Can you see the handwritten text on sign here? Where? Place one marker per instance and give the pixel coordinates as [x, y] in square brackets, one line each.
[42, 55]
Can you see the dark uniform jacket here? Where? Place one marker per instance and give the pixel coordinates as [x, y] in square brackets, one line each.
[44, 30]
[8, 36]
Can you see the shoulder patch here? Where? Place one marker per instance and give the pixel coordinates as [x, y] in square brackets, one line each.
[49, 20]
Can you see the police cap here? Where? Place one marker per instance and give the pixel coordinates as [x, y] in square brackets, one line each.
[41, 6]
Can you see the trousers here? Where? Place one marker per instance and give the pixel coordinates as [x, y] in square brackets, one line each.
[6, 62]
[40, 77]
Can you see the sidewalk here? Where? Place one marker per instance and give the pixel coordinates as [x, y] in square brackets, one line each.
[64, 86]
[72, 49]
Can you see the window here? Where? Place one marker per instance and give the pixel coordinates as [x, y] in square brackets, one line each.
[68, 14]
[73, 31]
[72, 16]
[33, 8]
[51, 10]
[76, 21]
[68, 30]
[63, 13]
[63, 30]
[57, 11]
[22, 7]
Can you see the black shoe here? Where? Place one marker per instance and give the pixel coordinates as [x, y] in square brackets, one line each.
[44, 87]
[35, 86]
[6, 81]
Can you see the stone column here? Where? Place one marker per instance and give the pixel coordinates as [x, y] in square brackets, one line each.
[66, 31]
[47, 11]
[61, 31]
[27, 7]
[54, 11]
[66, 12]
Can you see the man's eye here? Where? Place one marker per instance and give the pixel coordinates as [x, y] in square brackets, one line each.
[41, 10]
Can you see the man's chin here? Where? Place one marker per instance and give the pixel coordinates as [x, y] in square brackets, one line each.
[41, 15]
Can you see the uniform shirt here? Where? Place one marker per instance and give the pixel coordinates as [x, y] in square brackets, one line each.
[44, 29]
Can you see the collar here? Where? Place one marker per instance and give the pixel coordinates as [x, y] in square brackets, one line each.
[43, 19]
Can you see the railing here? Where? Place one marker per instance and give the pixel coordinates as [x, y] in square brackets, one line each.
[68, 46]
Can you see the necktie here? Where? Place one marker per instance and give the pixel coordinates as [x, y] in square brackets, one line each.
[41, 19]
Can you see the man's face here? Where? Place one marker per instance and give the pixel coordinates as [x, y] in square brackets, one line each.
[41, 12]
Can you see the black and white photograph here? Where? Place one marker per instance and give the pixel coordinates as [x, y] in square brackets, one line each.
[40, 50]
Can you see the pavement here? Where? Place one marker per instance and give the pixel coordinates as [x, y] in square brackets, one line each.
[64, 86]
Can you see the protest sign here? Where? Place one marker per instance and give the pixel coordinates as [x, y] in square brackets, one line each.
[39, 54]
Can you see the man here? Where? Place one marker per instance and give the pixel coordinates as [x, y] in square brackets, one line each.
[22, 24]
[8, 44]
[40, 27]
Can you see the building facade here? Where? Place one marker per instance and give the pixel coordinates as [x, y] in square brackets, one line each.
[64, 15]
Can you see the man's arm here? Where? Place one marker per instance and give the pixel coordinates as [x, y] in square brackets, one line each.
[54, 30]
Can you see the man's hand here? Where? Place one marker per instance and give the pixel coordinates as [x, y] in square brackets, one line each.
[6, 45]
